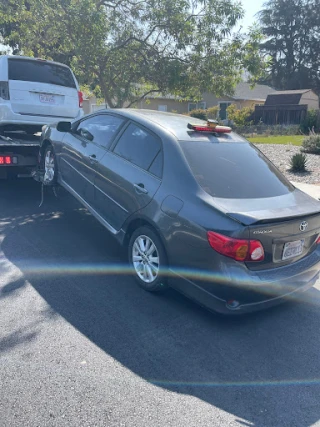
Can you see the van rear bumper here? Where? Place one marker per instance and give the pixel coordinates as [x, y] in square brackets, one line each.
[11, 119]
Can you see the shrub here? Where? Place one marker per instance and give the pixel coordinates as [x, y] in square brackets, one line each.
[213, 112]
[240, 117]
[312, 121]
[298, 162]
[199, 114]
[311, 144]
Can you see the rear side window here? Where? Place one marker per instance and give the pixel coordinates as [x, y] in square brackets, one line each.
[40, 72]
[139, 147]
[234, 170]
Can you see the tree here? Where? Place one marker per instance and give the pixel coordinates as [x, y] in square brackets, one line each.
[292, 41]
[131, 48]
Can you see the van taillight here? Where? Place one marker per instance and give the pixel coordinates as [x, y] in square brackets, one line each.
[80, 95]
[4, 90]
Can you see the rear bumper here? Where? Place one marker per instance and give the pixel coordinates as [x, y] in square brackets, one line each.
[27, 157]
[254, 293]
[10, 118]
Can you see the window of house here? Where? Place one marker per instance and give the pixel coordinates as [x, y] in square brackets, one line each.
[162, 108]
[191, 106]
[202, 105]
[196, 105]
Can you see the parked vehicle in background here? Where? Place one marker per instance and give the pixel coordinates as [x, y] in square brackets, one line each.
[206, 212]
[35, 92]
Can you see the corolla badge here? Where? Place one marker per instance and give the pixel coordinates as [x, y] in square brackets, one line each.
[303, 226]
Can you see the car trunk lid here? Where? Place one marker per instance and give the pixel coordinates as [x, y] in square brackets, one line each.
[288, 226]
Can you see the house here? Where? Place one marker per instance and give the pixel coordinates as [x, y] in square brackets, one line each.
[286, 107]
[168, 102]
[244, 96]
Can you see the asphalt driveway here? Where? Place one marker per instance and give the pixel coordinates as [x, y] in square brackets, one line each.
[82, 345]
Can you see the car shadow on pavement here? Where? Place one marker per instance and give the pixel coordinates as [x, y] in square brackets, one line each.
[271, 357]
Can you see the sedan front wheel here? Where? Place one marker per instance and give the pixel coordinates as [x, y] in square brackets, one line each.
[148, 259]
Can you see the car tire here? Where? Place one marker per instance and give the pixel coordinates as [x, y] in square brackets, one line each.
[50, 167]
[148, 259]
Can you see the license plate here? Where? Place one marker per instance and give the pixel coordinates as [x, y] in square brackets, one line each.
[47, 99]
[292, 249]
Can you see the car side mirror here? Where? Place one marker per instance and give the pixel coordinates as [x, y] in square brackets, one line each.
[86, 134]
[64, 126]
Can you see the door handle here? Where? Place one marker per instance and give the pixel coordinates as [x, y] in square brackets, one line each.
[93, 158]
[140, 188]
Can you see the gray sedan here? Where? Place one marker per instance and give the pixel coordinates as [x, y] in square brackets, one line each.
[199, 208]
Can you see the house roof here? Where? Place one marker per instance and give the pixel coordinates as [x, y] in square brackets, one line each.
[244, 92]
[291, 92]
[284, 99]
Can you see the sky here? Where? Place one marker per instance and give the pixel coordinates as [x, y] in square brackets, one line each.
[251, 7]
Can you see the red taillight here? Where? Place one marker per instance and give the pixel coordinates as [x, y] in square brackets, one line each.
[238, 249]
[5, 160]
[80, 95]
[318, 241]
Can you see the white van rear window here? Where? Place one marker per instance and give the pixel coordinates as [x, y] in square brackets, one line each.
[40, 72]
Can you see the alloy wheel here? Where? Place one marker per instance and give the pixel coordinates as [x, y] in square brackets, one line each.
[145, 259]
[49, 169]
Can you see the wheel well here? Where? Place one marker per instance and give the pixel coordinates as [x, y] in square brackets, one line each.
[43, 147]
[137, 223]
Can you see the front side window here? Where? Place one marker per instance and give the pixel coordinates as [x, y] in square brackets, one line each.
[103, 128]
[40, 72]
[138, 147]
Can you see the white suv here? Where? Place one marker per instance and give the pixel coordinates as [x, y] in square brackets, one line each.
[35, 92]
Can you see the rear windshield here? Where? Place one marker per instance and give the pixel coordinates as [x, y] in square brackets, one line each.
[234, 170]
[40, 72]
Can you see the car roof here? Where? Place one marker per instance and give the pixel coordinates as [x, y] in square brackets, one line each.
[176, 124]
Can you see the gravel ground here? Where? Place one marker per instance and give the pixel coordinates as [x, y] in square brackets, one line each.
[281, 155]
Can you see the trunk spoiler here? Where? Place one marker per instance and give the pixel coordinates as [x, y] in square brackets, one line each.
[275, 209]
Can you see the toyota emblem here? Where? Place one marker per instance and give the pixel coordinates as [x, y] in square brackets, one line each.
[303, 226]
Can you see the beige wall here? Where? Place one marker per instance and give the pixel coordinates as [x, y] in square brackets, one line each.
[212, 101]
[310, 99]
[172, 105]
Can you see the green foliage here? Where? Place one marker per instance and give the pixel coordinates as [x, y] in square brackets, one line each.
[240, 117]
[310, 122]
[291, 30]
[311, 144]
[298, 162]
[199, 114]
[213, 113]
[130, 49]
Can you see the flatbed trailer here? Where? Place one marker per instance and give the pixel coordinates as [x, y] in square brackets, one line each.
[18, 155]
